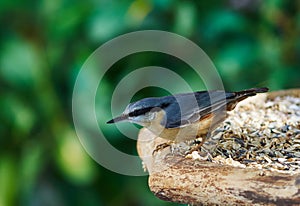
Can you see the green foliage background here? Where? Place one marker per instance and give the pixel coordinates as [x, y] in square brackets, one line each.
[43, 45]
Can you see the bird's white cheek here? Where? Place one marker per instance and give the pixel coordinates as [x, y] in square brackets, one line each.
[138, 120]
[150, 116]
[158, 118]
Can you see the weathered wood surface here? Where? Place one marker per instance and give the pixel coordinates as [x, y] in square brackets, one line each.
[178, 179]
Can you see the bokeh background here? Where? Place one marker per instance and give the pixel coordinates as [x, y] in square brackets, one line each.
[43, 45]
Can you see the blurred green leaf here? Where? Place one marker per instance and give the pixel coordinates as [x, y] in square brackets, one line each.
[73, 160]
[9, 179]
[235, 57]
[20, 116]
[31, 164]
[185, 20]
[220, 22]
[107, 21]
[20, 63]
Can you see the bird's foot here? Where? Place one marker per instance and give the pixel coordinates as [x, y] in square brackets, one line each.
[198, 146]
[199, 151]
[179, 148]
[161, 147]
[195, 155]
[175, 148]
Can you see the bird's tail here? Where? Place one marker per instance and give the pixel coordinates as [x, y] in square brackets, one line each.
[250, 92]
[241, 95]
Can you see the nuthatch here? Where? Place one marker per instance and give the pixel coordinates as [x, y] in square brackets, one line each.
[186, 116]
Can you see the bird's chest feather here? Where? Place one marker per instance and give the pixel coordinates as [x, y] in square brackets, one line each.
[188, 132]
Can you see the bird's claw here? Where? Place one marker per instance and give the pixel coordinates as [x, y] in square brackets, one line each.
[161, 147]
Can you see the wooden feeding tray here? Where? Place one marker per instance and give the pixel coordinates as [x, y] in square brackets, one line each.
[256, 160]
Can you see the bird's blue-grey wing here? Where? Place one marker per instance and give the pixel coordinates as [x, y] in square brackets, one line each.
[190, 108]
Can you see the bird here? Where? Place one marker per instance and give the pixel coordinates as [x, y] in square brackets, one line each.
[186, 116]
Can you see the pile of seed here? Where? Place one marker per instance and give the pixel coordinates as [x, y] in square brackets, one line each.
[261, 133]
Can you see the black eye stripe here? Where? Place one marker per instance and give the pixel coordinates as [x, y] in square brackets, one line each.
[142, 111]
[139, 112]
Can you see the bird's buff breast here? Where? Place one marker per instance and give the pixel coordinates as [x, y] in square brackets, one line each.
[188, 132]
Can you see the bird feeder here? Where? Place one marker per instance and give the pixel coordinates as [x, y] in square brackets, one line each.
[256, 162]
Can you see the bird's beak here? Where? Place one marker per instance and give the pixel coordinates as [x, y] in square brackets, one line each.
[118, 119]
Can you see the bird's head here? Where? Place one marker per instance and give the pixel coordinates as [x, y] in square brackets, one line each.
[142, 112]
